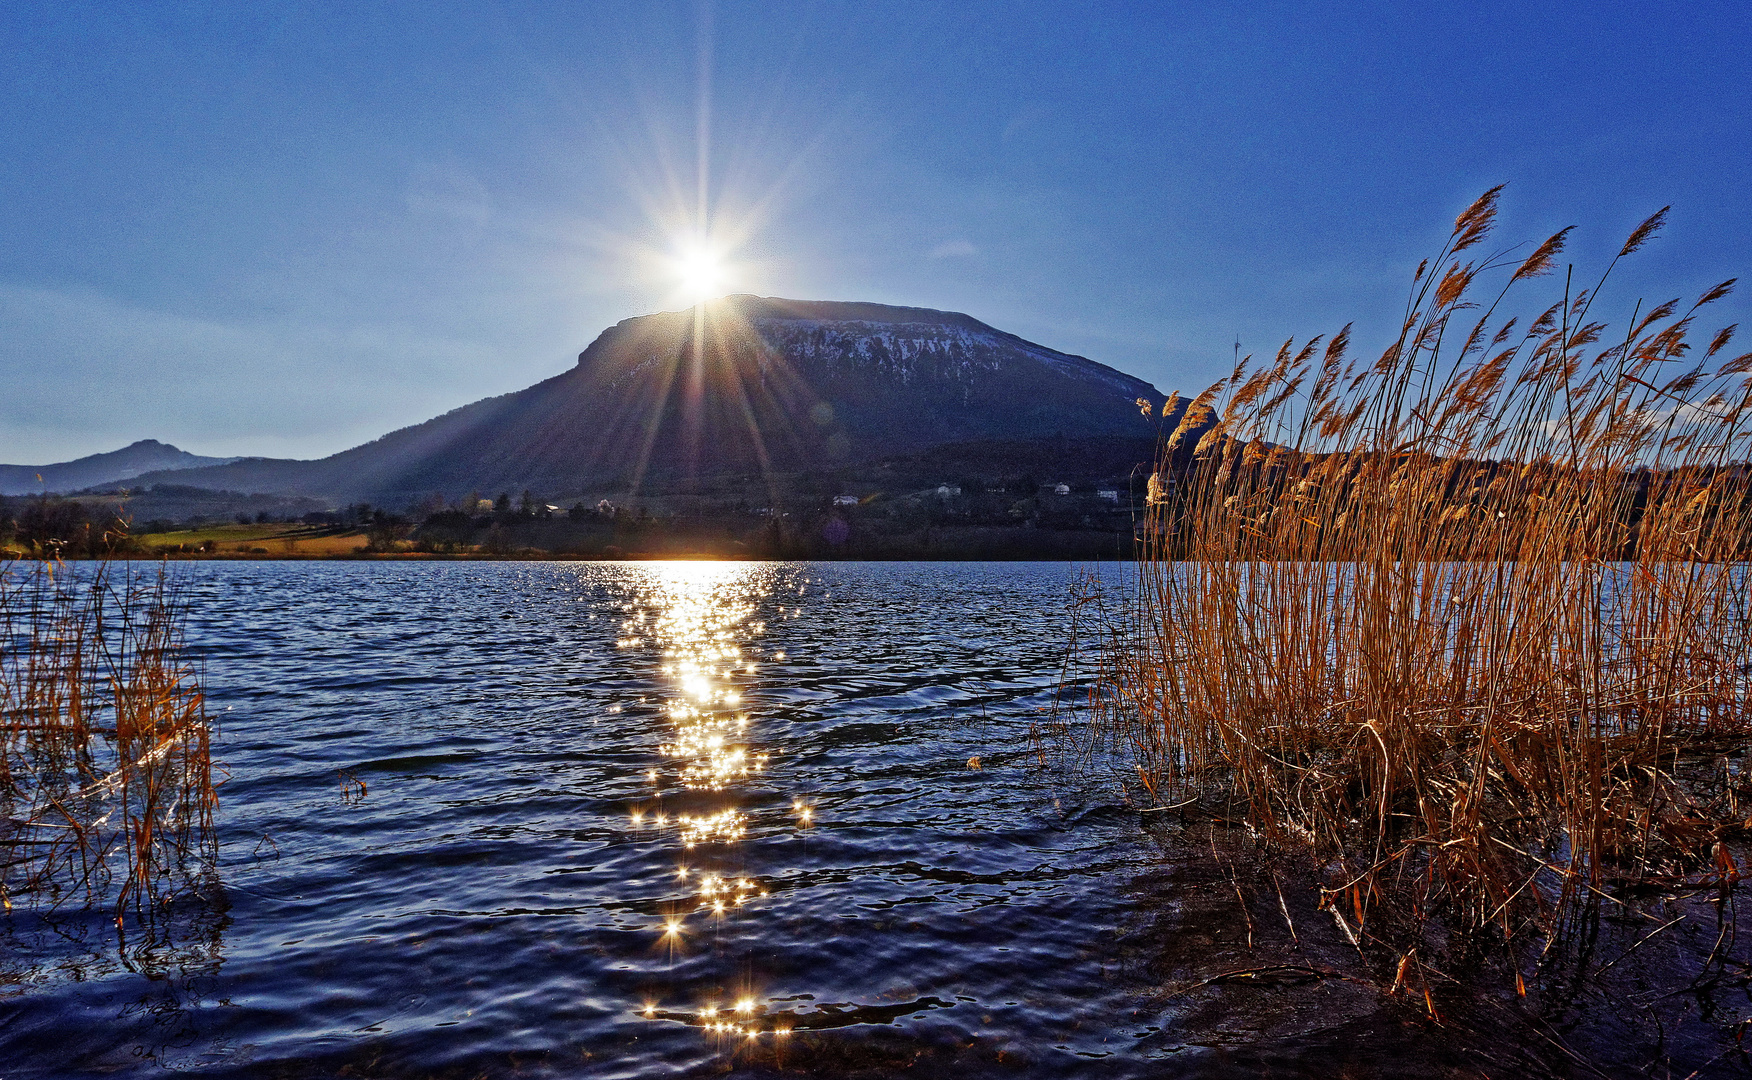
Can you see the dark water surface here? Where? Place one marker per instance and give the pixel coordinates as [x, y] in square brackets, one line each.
[628, 819]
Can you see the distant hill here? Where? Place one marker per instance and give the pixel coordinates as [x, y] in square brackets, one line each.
[740, 385]
[147, 455]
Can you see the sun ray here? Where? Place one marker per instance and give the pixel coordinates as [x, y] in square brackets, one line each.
[734, 382]
[658, 403]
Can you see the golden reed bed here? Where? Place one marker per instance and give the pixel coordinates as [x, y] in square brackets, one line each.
[1468, 623]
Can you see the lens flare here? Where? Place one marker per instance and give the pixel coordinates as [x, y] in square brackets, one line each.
[700, 271]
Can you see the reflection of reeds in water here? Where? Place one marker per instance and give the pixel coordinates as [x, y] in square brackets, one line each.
[105, 779]
[1466, 621]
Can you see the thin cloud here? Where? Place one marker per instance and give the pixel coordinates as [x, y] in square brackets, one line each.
[954, 249]
[450, 193]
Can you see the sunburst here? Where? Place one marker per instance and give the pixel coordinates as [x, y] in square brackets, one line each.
[700, 269]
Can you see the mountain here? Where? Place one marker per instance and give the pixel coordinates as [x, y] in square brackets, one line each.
[147, 455]
[743, 385]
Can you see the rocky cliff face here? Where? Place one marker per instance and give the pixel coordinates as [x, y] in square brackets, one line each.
[741, 385]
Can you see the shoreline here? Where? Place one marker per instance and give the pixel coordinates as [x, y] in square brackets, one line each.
[550, 556]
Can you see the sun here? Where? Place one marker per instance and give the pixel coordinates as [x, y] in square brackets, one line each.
[700, 271]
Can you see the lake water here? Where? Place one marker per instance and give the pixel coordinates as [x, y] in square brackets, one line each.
[631, 819]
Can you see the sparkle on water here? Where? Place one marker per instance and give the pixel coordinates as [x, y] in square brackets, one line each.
[700, 616]
[645, 817]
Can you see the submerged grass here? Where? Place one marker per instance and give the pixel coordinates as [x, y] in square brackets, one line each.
[106, 785]
[1468, 624]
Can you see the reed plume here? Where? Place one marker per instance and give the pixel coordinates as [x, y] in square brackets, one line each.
[1467, 624]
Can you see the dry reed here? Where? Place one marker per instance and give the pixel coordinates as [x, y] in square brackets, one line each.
[1467, 623]
[106, 786]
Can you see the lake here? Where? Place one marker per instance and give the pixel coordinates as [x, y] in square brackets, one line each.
[622, 819]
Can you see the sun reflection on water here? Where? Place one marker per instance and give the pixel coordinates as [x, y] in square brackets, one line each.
[699, 622]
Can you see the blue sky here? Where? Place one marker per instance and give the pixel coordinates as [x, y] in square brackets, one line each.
[283, 229]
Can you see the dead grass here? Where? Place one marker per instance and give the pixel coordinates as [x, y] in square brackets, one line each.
[310, 545]
[1468, 623]
[105, 773]
[274, 539]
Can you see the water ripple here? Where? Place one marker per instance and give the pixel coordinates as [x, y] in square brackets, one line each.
[616, 818]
